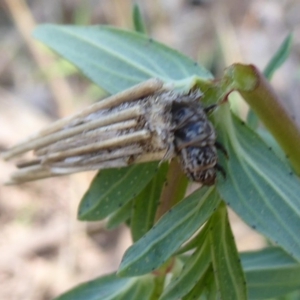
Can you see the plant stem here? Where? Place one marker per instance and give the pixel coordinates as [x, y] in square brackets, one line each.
[260, 95]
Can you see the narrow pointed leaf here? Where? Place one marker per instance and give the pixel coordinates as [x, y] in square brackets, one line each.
[193, 270]
[145, 204]
[111, 287]
[142, 289]
[228, 271]
[270, 273]
[212, 292]
[138, 22]
[172, 230]
[275, 63]
[196, 241]
[197, 293]
[117, 59]
[271, 142]
[119, 216]
[279, 57]
[259, 187]
[113, 188]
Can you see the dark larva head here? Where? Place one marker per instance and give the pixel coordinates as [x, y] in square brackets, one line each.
[206, 177]
[196, 159]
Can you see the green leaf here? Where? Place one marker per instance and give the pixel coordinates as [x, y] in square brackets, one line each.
[291, 296]
[212, 293]
[171, 231]
[259, 187]
[197, 293]
[228, 271]
[211, 287]
[111, 287]
[138, 21]
[279, 57]
[116, 59]
[252, 119]
[195, 241]
[145, 204]
[275, 63]
[271, 142]
[270, 273]
[113, 188]
[120, 216]
[194, 269]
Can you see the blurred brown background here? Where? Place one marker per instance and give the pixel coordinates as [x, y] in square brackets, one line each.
[44, 249]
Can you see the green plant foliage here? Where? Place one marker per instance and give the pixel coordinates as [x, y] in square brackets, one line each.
[138, 21]
[291, 296]
[113, 188]
[274, 64]
[195, 241]
[271, 142]
[120, 215]
[259, 187]
[279, 57]
[145, 204]
[111, 287]
[116, 59]
[194, 269]
[200, 289]
[270, 273]
[229, 276]
[172, 230]
[212, 291]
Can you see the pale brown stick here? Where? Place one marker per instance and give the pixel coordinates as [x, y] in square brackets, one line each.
[155, 156]
[40, 172]
[30, 173]
[65, 144]
[126, 114]
[114, 142]
[28, 163]
[89, 160]
[116, 163]
[134, 93]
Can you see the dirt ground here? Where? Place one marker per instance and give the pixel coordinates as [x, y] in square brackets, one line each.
[44, 249]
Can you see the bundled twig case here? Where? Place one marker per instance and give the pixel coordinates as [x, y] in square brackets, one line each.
[147, 122]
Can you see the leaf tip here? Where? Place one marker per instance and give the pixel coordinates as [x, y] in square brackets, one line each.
[124, 271]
